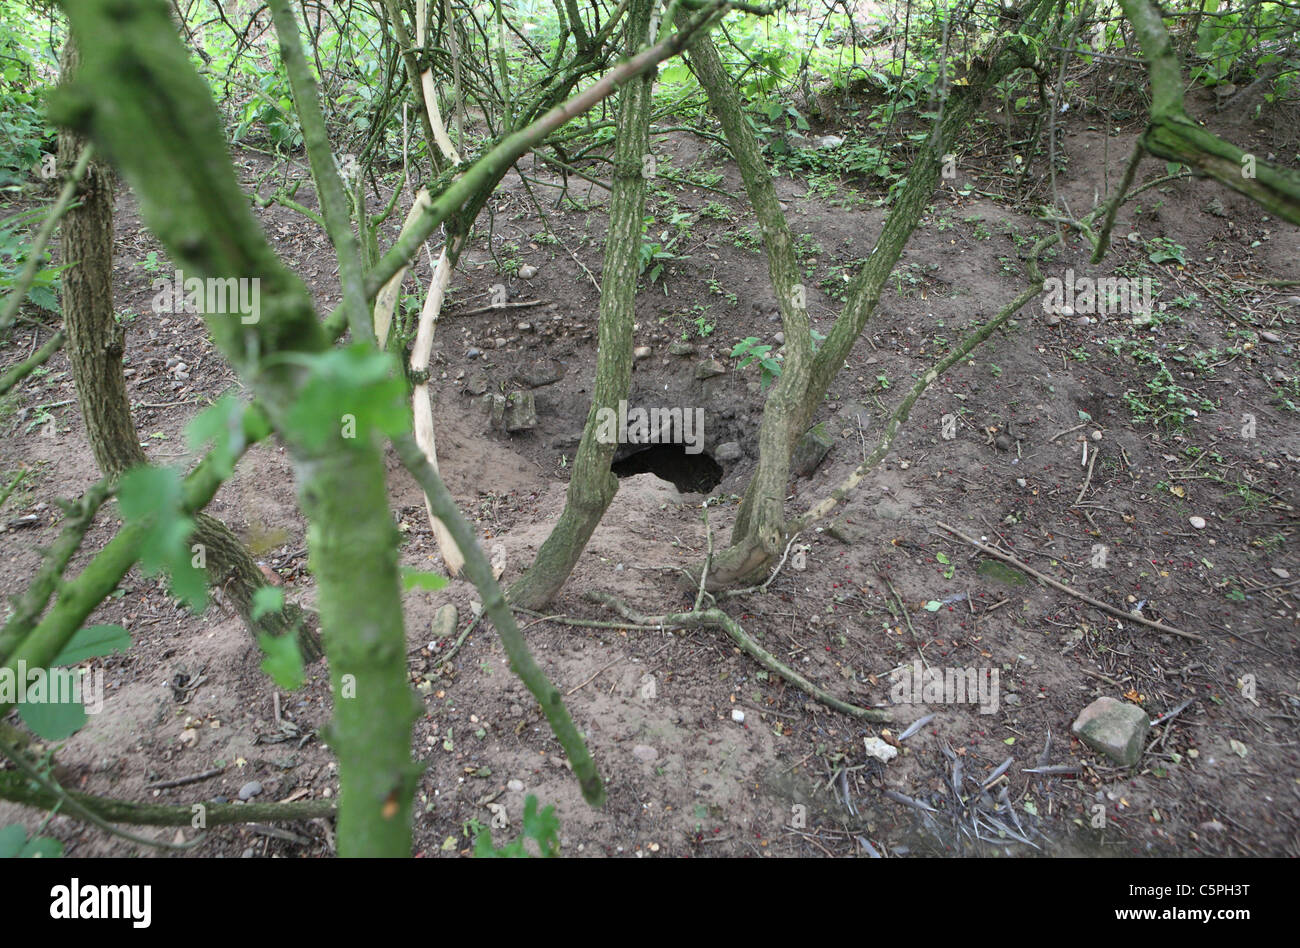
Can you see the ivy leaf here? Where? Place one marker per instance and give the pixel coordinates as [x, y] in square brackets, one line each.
[92, 642]
[283, 661]
[350, 393]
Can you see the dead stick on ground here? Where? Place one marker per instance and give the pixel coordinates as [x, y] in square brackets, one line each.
[183, 781]
[492, 308]
[1104, 607]
[1087, 480]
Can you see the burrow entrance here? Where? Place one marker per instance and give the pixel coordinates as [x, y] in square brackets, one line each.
[689, 473]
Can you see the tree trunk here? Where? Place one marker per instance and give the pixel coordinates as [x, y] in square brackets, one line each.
[759, 532]
[95, 346]
[592, 485]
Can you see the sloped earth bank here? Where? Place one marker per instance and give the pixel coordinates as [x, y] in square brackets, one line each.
[686, 776]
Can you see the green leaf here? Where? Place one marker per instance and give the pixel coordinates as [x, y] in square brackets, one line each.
[1009, 740]
[942, 558]
[415, 579]
[283, 661]
[53, 721]
[12, 840]
[42, 847]
[152, 496]
[1030, 807]
[266, 600]
[223, 425]
[352, 392]
[933, 605]
[92, 642]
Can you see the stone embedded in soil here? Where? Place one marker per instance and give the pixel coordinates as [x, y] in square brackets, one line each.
[728, 452]
[1114, 728]
[641, 352]
[810, 451]
[521, 412]
[494, 407]
[444, 623]
[250, 790]
[539, 373]
[681, 348]
[845, 532]
[515, 786]
[645, 752]
[527, 271]
[891, 509]
[476, 384]
[710, 369]
[1197, 522]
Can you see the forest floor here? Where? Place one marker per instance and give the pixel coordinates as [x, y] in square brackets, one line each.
[886, 587]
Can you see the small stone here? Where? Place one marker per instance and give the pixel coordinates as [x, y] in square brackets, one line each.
[645, 753]
[880, 750]
[524, 327]
[828, 141]
[538, 373]
[1114, 728]
[1280, 573]
[444, 624]
[1197, 522]
[641, 352]
[1096, 436]
[527, 271]
[476, 384]
[845, 532]
[810, 451]
[681, 348]
[780, 338]
[738, 716]
[521, 412]
[250, 790]
[710, 369]
[499, 342]
[1012, 699]
[730, 451]
[515, 786]
[472, 353]
[1270, 337]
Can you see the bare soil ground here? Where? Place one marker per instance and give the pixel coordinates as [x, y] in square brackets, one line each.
[685, 776]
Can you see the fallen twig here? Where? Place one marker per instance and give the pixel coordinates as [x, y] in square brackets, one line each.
[1104, 607]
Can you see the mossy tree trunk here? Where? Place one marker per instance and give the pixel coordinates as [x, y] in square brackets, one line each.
[592, 484]
[760, 530]
[96, 343]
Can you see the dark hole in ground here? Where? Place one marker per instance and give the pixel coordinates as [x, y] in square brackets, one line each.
[689, 473]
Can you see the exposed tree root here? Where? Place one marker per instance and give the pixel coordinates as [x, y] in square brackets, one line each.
[716, 618]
